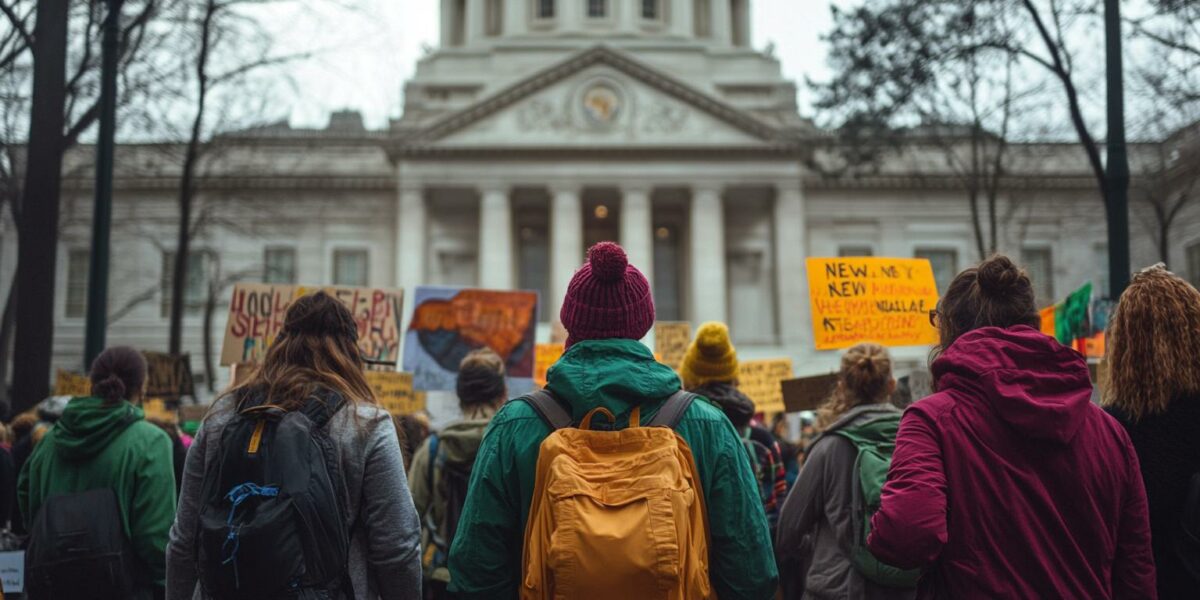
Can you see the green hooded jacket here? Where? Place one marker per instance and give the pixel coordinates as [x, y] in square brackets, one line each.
[97, 446]
[485, 558]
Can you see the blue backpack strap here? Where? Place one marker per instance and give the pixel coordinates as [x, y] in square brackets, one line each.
[433, 452]
[671, 412]
[547, 406]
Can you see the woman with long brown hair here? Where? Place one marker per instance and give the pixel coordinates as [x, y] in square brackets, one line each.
[1008, 482]
[820, 506]
[311, 381]
[1153, 389]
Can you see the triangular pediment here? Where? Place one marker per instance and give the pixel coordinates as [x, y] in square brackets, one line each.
[597, 99]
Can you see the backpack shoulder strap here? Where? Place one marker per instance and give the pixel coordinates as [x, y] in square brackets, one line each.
[547, 406]
[672, 410]
[433, 453]
[321, 407]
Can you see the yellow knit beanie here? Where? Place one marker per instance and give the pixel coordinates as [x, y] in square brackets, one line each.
[710, 357]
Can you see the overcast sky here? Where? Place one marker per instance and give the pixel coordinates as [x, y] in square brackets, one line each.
[364, 54]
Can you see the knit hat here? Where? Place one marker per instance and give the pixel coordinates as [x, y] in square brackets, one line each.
[710, 357]
[607, 298]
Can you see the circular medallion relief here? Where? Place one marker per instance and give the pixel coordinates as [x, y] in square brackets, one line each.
[601, 104]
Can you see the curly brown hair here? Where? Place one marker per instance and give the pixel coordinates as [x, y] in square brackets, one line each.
[1152, 342]
[864, 378]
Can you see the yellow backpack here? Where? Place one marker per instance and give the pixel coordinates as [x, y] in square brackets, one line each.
[616, 514]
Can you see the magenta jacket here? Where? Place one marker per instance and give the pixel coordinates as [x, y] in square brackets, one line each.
[1009, 483]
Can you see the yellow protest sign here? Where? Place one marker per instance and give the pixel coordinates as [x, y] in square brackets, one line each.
[67, 383]
[545, 355]
[671, 339]
[761, 381]
[884, 300]
[156, 409]
[394, 392]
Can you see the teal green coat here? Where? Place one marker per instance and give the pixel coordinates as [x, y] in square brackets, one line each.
[96, 446]
[485, 558]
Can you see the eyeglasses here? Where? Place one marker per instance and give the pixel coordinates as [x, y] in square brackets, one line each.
[933, 318]
[372, 361]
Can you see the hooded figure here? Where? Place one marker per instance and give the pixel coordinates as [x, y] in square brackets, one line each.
[103, 441]
[607, 309]
[1008, 482]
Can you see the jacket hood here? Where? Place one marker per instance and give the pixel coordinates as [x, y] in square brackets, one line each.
[459, 441]
[1029, 380]
[738, 407]
[614, 373]
[88, 426]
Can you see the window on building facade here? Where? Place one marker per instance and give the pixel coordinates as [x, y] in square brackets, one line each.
[597, 9]
[1193, 264]
[494, 18]
[601, 218]
[350, 267]
[77, 280]
[458, 29]
[851, 251]
[650, 9]
[533, 253]
[545, 9]
[944, 263]
[702, 15]
[279, 265]
[200, 268]
[1039, 266]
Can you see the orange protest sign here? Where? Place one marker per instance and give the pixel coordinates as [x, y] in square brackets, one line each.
[762, 382]
[884, 300]
[545, 355]
[394, 392]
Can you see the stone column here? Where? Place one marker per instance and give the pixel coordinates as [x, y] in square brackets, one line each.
[411, 225]
[707, 242]
[516, 17]
[791, 278]
[681, 18]
[495, 239]
[566, 242]
[476, 21]
[637, 225]
[721, 22]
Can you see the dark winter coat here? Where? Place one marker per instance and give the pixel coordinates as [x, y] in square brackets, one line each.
[1168, 447]
[1009, 483]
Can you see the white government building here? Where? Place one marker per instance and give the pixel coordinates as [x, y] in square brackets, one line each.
[540, 127]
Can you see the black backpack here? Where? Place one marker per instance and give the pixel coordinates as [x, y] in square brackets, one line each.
[451, 480]
[273, 518]
[1187, 538]
[78, 550]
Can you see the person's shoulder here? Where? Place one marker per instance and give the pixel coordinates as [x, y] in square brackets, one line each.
[933, 406]
[148, 432]
[514, 411]
[703, 410]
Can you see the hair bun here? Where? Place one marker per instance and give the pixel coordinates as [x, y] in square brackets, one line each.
[998, 276]
[111, 388]
[608, 262]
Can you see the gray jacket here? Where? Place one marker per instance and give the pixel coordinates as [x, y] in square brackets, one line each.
[385, 555]
[816, 533]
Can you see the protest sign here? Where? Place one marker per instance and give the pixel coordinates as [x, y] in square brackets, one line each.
[394, 392]
[156, 409]
[760, 381]
[1047, 315]
[807, 393]
[167, 376]
[671, 339]
[545, 357]
[447, 323]
[884, 300]
[67, 383]
[1071, 316]
[12, 572]
[257, 310]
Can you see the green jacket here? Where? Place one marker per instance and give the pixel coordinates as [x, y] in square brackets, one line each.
[96, 446]
[485, 558]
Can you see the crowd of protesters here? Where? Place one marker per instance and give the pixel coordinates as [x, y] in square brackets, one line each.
[624, 478]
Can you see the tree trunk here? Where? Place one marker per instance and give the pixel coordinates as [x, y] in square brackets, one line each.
[37, 236]
[187, 187]
[210, 306]
[7, 321]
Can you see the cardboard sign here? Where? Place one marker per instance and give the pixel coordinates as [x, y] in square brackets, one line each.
[760, 380]
[671, 339]
[883, 300]
[447, 323]
[240, 373]
[168, 376]
[71, 384]
[12, 571]
[394, 392]
[807, 393]
[545, 355]
[257, 310]
[156, 410]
